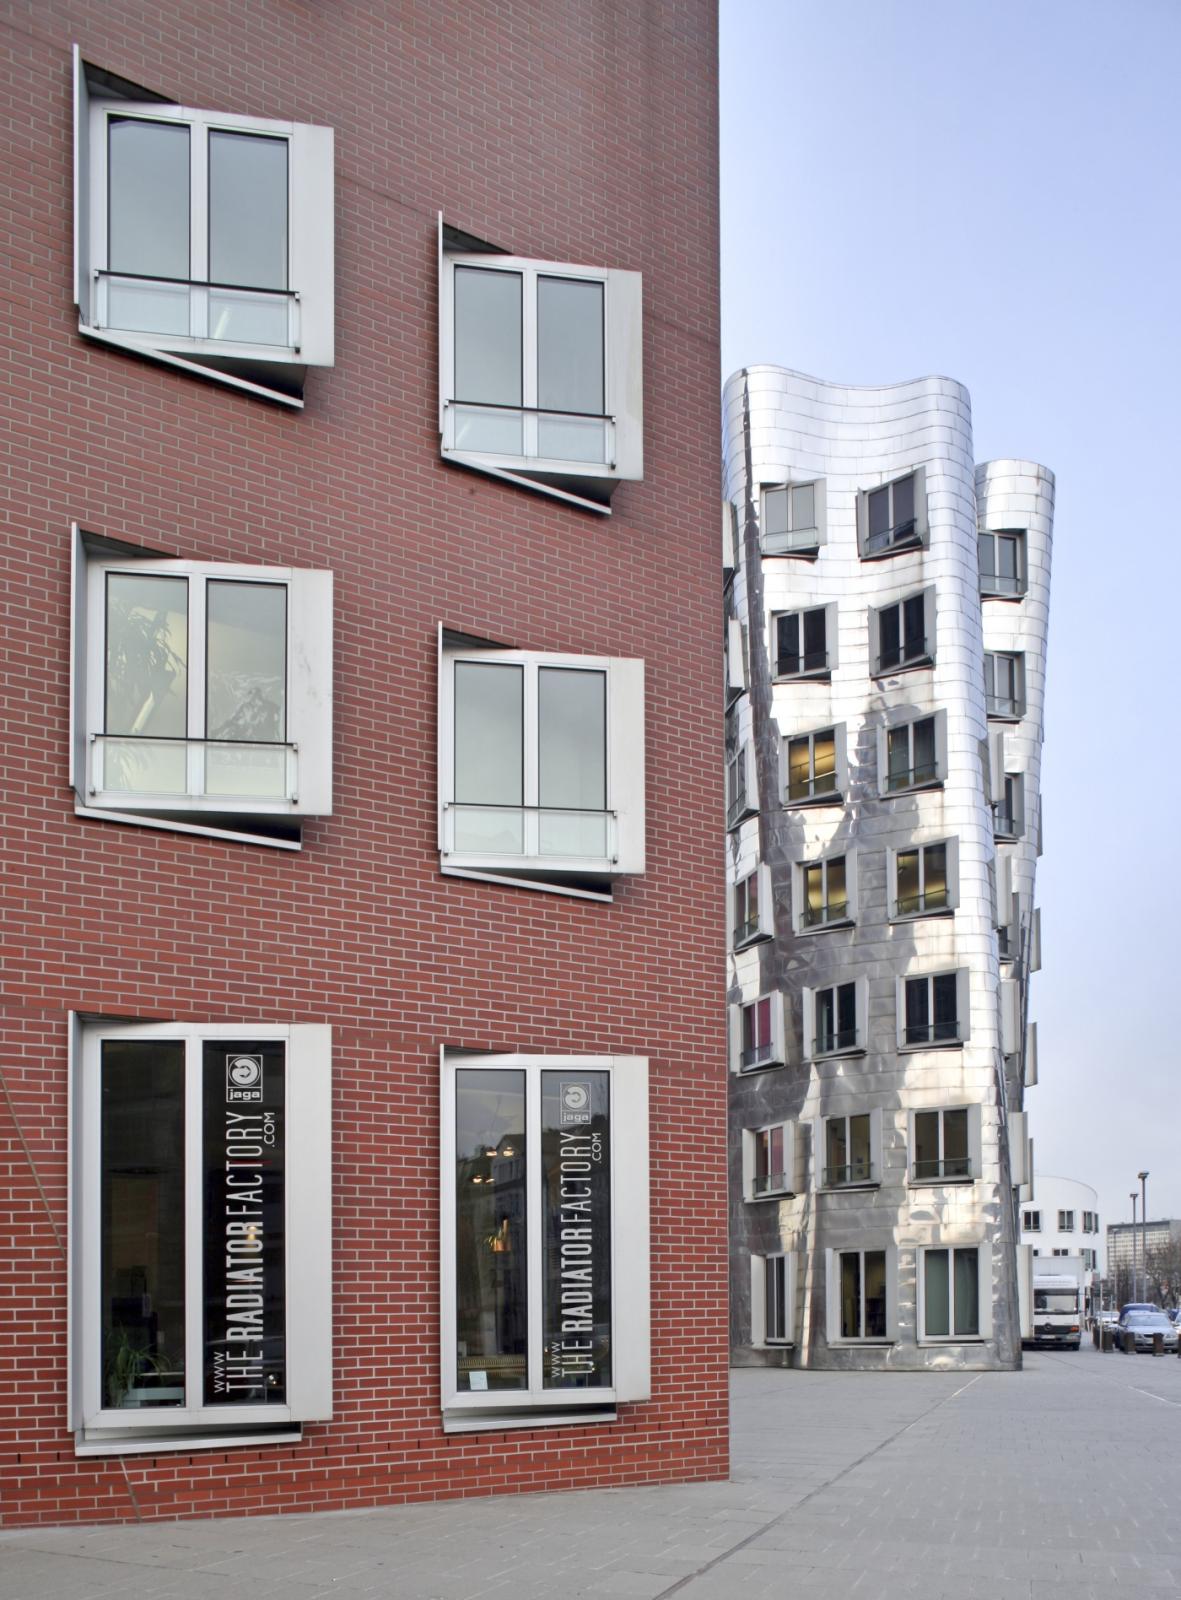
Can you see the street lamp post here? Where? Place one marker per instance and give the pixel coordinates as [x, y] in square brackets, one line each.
[1134, 1197]
[1143, 1176]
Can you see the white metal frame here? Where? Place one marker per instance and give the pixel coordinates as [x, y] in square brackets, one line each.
[760, 1268]
[750, 1147]
[975, 1142]
[951, 859]
[797, 541]
[832, 1268]
[983, 1254]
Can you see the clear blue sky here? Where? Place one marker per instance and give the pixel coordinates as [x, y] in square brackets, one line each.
[992, 190]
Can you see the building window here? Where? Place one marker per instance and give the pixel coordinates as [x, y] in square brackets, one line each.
[203, 239]
[815, 767]
[752, 907]
[201, 1240]
[541, 766]
[742, 789]
[945, 1144]
[1002, 564]
[1059, 1252]
[1004, 684]
[825, 893]
[736, 654]
[951, 1298]
[772, 1299]
[1066, 1222]
[541, 370]
[201, 691]
[849, 1154]
[793, 519]
[924, 882]
[914, 754]
[544, 1290]
[859, 1295]
[935, 1010]
[802, 642]
[1031, 1221]
[893, 517]
[1090, 1222]
[905, 634]
[834, 1019]
[768, 1156]
[1008, 812]
[757, 1034]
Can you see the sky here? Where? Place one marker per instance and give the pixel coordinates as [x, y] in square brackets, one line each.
[991, 190]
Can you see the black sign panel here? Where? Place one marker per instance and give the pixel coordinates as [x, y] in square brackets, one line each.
[576, 1201]
[244, 1155]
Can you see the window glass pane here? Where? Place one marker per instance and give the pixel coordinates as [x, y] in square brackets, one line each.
[826, 1019]
[491, 1330]
[488, 359]
[903, 502]
[572, 760]
[815, 646]
[917, 1009]
[146, 683]
[244, 1209]
[142, 1224]
[576, 1186]
[1008, 549]
[847, 1014]
[799, 767]
[570, 345]
[914, 625]
[838, 900]
[850, 1295]
[813, 892]
[955, 1143]
[762, 1015]
[774, 512]
[926, 1144]
[489, 756]
[836, 1151]
[875, 1294]
[888, 626]
[246, 688]
[248, 210]
[897, 757]
[908, 881]
[148, 199]
[985, 549]
[967, 1292]
[936, 1295]
[924, 750]
[859, 1149]
[787, 633]
[935, 874]
[776, 1311]
[879, 514]
[824, 747]
[803, 506]
[944, 990]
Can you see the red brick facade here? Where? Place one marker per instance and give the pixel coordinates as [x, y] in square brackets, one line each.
[562, 130]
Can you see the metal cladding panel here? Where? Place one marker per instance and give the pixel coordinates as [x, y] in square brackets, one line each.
[780, 426]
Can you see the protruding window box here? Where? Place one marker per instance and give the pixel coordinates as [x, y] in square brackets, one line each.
[946, 1145]
[933, 1011]
[1003, 564]
[893, 518]
[793, 519]
[813, 768]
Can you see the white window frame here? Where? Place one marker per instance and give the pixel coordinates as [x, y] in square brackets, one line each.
[951, 846]
[623, 375]
[975, 1144]
[630, 1249]
[832, 1279]
[1031, 1221]
[818, 671]
[1020, 1172]
[916, 539]
[788, 1273]
[915, 783]
[811, 998]
[308, 744]
[742, 785]
[1004, 708]
[736, 652]
[1008, 812]
[820, 1151]
[926, 657]
[625, 808]
[824, 797]
[311, 222]
[983, 1253]
[800, 869]
[788, 1176]
[991, 584]
[776, 1055]
[746, 932]
[962, 1007]
[802, 541]
[1066, 1226]
[731, 538]
[308, 1232]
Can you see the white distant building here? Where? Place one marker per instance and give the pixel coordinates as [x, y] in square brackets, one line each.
[1063, 1220]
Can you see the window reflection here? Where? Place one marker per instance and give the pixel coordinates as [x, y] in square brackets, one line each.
[491, 1283]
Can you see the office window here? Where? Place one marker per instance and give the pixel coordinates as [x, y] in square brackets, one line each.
[951, 1282]
[758, 1034]
[202, 693]
[913, 755]
[793, 519]
[201, 1239]
[1004, 684]
[1002, 564]
[893, 517]
[545, 1260]
[861, 1295]
[825, 892]
[768, 1161]
[945, 1144]
[752, 909]
[1066, 1222]
[934, 1009]
[742, 787]
[1031, 1221]
[925, 879]
[904, 634]
[850, 1151]
[541, 376]
[814, 767]
[203, 239]
[772, 1299]
[834, 1019]
[1059, 1252]
[805, 642]
[1008, 812]
[541, 761]
[736, 660]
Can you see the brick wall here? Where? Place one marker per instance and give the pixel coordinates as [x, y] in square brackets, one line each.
[577, 130]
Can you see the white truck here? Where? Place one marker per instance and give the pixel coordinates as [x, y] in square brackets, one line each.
[1056, 1319]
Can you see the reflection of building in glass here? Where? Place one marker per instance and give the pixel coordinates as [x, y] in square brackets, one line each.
[887, 605]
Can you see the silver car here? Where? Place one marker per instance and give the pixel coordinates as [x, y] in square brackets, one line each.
[1138, 1331]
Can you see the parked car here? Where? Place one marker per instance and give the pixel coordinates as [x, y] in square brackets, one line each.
[1138, 1331]
[1135, 1305]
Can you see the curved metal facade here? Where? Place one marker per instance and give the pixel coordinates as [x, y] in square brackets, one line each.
[875, 664]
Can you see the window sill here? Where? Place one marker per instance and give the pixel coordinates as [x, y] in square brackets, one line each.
[931, 1044]
[752, 939]
[739, 817]
[860, 1344]
[1005, 716]
[814, 802]
[806, 932]
[903, 547]
[928, 1342]
[194, 349]
[769, 1194]
[844, 1188]
[919, 664]
[999, 594]
[922, 916]
[822, 675]
[939, 1183]
[588, 891]
[912, 788]
[802, 552]
[502, 1422]
[759, 1066]
[837, 1055]
[160, 1444]
[240, 835]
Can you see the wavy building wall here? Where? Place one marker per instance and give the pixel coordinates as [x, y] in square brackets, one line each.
[887, 603]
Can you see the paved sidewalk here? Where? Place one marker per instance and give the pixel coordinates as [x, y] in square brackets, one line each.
[1060, 1483]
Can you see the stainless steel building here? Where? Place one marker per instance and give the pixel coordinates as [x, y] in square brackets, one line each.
[887, 604]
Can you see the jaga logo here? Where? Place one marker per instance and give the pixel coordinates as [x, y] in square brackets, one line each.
[575, 1104]
[244, 1080]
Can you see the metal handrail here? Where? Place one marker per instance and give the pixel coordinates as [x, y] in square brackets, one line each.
[187, 739]
[928, 900]
[811, 661]
[851, 1172]
[1005, 824]
[931, 1032]
[194, 283]
[768, 1182]
[842, 1039]
[533, 411]
[832, 911]
[998, 583]
[805, 788]
[911, 777]
[908, 650]
[951, 1167]
[903, 532]
[756, 1055]
[502, 805]
[1005, 705]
